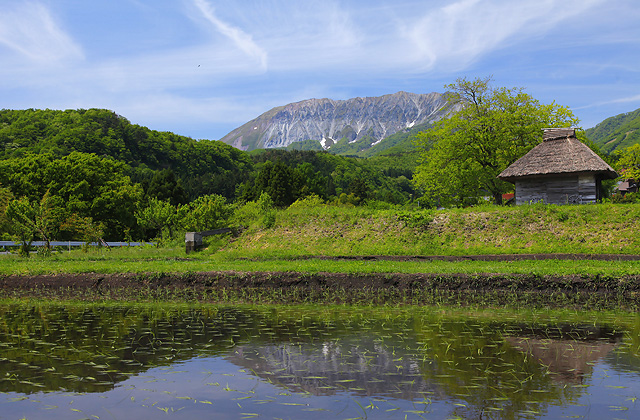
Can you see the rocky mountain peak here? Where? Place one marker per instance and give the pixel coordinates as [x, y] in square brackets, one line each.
[368, 120]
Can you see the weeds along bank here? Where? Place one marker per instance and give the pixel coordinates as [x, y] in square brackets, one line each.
[270, 262]
[486, 290]
[288, 240]
[332, 231]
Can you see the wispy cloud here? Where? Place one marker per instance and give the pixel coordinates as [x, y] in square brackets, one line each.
[623, 100]
[240, 38]
[150, 62]
[29, 29]
[457, 34]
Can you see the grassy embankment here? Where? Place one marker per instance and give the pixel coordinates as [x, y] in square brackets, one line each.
[301, 232]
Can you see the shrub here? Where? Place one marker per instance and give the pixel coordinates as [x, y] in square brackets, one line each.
[307, 202]
[627, 198]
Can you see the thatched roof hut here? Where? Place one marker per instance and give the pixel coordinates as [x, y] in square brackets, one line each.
[559, 170]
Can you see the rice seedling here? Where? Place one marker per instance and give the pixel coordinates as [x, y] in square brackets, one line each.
[281, 360]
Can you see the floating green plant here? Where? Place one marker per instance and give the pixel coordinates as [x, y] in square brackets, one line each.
[284, 360]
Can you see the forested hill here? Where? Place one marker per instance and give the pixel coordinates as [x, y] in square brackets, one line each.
[203, 166]
[94, 171]
[616, 133]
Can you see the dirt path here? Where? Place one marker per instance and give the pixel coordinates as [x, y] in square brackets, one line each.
[489, 257]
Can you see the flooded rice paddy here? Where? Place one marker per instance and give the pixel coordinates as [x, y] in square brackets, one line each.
[72, 361]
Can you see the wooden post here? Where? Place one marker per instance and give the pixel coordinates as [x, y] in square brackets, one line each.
[192, 241]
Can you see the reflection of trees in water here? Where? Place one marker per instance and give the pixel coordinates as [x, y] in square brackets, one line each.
[568, 351]
[623, 362]
[509, 381]
[507, 367]
[90, 349]
[473, 363]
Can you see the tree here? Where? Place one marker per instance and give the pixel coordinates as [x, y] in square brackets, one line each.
[158, 217]
[629, 163]
[359, 188]
[29, 220]
[88, 230]
[204, 213]
[165, 187]
[489, 129]
[5, 198]
[276, 179]
[86, 184]
[308, 182]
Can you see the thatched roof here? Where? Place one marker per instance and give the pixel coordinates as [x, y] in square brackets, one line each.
[559, 153]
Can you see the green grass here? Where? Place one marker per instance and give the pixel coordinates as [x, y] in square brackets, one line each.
[327, 230]
[357, 231]
[174, 260]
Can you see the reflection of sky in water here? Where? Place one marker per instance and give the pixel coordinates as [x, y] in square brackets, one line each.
[233, 363]
[212, 387]
[208, 388]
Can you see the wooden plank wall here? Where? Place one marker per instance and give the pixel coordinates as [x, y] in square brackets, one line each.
[587, 188]
[557, 190]
[530, 191]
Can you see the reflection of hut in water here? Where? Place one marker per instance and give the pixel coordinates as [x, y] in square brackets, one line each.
[569, 360]
[360, 365]
[568, 351]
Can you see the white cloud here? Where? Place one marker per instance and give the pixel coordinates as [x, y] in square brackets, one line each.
[240, 38]
[29, 29]
[255, 54]
[635, 98]
[457, 34]
[623, 100]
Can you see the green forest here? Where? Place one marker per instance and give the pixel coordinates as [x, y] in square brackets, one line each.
[87, 174]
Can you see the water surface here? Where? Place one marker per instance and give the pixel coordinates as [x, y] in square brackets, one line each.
[229, 362]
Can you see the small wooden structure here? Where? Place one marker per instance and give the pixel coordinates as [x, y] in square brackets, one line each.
[560, 170]
[628, 186]
[193, 240]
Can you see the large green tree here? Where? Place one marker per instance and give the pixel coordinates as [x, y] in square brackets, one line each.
[629, 163]
[5, 198]
[158, 217]
[83, 184]
[489, 129]
[206, 212]
[165, 186]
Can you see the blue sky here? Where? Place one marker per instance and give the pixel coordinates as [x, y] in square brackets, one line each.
[203, 67]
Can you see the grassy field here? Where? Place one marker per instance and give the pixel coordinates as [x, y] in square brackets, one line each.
[174, 260]
[306, 231]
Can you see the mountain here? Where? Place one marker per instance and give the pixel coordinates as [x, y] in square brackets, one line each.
[616, 133]
[345, 127]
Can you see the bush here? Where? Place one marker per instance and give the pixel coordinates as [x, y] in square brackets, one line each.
[627, 198]
[307, 202]
[267, 210]
[246, 214]
[205, 213]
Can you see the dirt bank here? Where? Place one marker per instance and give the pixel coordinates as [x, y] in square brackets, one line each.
[487, 257]
[287, 287]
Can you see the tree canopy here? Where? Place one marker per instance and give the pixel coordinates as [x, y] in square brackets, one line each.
[200, 167]
[81, 183]
[491, 127]
[628, 164]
